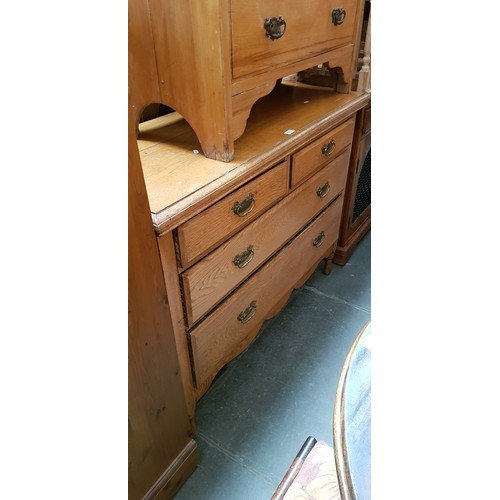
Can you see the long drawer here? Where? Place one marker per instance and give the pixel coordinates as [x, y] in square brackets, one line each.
[208, 281]
[296, 30]
[200, 234]
[229, 329]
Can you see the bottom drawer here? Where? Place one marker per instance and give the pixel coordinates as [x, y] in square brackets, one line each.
[229, 330]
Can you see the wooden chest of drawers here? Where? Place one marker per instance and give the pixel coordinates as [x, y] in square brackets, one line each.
[234, 248]
[214, 59]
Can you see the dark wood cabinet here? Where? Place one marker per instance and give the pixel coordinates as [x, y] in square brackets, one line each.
[356, 218]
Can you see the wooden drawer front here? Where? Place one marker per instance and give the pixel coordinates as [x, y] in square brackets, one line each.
[321, 151]
[211, 279]
[222, 336]
[309, 31]
[202, 233]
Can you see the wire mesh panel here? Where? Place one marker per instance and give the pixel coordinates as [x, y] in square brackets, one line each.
[363, 190]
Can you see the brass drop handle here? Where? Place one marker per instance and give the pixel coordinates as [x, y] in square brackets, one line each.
[319, 240]
[244, 258]
[327, 149]
[246, 315]
[338, 16]
[323, 190]
[242, 208]
[273, 27]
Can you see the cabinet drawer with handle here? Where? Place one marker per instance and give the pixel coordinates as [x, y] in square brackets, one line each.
[229, 329]
[312, 157]
[213, 277]
[203, 232]
[270, 33]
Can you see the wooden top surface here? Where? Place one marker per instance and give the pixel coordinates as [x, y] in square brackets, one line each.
[181, 183]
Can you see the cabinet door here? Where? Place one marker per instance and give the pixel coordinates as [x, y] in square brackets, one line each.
[304, 29]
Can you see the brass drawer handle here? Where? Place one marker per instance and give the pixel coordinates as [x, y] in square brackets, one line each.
[327, 149]
[338, 16]
[273, 27]
[323, 190]
[246, 315]
[244, 207]
[244, 258]
[319, 240]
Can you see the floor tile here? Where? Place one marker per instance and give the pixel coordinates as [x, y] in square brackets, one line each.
[220, 477]
[351, 282]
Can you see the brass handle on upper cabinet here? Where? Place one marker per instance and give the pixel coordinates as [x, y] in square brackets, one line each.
[323, 190]
[246, 315]
[318, 241]
[244, 258]
[327, 149]
[242, 208]
[338, 16]
[273, 27]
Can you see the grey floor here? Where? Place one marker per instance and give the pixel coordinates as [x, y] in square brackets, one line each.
[258, 412]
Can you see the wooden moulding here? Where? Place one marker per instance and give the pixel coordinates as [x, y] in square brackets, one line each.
[181, 184]
[169, 483]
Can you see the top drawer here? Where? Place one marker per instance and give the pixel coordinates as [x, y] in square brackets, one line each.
[306, 29]
[202, 233]
[309, 159]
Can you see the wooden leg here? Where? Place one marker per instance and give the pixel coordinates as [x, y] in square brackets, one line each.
[329, 261]
[328, 265]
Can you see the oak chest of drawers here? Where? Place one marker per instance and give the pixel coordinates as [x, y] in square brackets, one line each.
[214, 59]
[238, 238]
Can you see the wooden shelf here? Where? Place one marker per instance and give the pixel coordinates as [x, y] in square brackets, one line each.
[181, 183]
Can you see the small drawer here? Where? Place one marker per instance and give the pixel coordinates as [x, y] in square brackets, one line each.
[202, 233]
[220, 272]
[321, 151]
[229, 330]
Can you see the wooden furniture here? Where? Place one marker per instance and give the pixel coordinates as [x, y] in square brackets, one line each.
[162, 452]
[236, 238]
[356, 219]
[352, 421]
[211, 61]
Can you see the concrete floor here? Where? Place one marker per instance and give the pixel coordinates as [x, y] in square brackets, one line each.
[266, 402]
